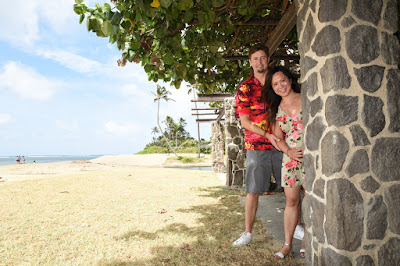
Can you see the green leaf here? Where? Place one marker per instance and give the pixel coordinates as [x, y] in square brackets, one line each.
[116, 18]
[168, 59]
[81, 18]
[79, 1]
[185, 4]
[106, 7]
[106, 28]
[78, 9]
[217, 3]
[188, 16]
[165, 3]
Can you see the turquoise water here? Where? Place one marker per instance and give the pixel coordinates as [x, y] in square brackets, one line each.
[7, 160]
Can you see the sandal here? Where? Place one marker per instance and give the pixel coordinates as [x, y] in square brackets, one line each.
[279, 255]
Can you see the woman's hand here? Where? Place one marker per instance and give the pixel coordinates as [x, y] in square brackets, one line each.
[295, 154]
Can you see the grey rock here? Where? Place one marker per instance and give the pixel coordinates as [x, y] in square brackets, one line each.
[231, 131]
[334, 150]
[393, 102]
[376, 218]
[238, 178]
[389, 254]
[360, 138]
[331, 10]
[370, 77]
[386, 158]
[310, 86]
[327, 41]
[314, 133]
[318, 216]
[372, 115]
[344, 215]
[362, 44]
[306, 211]
[390, 18]
[309, 168]
[316, 106]
[319, 187]
[390, 49]
[365, 260]
[392, 200]
[335, 74]
[367, 10]
[301, 17]
[241, 159]
[307, 64]
[308, 34]
[330, 257]
[305, 106]
[232, 151]
[359, 163]
[341, 110]
[369, 184]
[348, 21]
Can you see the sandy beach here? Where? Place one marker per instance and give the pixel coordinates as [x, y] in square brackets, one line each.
[122, 210]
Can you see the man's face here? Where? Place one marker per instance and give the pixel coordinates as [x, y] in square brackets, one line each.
[259, 62]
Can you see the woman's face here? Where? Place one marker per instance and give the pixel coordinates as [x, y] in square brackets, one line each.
[281, 84]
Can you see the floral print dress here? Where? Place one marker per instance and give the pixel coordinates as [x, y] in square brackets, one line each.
[292, 170]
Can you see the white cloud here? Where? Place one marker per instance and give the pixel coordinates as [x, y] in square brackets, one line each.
[72, 61]
[4, 119]
[120, 128]
[26, 82]
[68, 126]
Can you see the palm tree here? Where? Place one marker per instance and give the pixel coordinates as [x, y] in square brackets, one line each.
[162, 93]
[154, 131]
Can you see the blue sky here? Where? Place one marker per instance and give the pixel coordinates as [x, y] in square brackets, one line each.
[62, 92]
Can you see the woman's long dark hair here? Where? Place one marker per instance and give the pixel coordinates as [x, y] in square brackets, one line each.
[270, 97]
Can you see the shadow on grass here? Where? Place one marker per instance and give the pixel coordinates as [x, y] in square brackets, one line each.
[221, 223]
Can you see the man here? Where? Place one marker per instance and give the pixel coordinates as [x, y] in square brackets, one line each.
[261, 156]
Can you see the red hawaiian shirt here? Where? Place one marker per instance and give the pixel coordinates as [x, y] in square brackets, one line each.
[248, 102]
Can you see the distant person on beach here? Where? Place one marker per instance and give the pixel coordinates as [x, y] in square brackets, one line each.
[261, 156]
[282, 94]
[18, 159]
[23, 159]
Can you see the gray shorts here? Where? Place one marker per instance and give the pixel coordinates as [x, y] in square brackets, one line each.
[259, 165]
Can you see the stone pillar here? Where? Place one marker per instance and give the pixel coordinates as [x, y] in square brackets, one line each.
[217, 147]
[351, 105]
[234, 146]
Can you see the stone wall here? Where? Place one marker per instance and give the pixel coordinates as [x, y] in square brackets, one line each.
[351, 104]
[217, 147]
[234, 146]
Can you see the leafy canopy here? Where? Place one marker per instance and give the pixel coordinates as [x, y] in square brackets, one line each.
[184, 40]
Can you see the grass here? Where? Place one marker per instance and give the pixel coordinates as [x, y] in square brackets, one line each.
[113, 217]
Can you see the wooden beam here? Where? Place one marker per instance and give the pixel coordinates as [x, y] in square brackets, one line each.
[207, 114]
[286, 24]
[207, 120]
[251, 22]
[274, 57]
[221, 114]
[206, 109]
[212, 97]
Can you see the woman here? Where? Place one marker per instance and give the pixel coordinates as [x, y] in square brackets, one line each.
[282, 93]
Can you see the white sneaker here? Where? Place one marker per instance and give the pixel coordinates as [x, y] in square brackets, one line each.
[244, 239]
[299, 232]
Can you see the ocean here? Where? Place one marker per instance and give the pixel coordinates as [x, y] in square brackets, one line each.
[7, 160]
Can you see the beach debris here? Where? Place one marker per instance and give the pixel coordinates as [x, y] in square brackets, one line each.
[221, 197]
[64, 191]
[162, 210]
[186, 246]
[85, 225]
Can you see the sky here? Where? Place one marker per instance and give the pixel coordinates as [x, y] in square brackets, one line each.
[63, 93]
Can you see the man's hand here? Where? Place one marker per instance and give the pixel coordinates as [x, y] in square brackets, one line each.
[273, 139]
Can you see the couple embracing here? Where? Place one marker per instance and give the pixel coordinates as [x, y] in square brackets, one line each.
[269, 107]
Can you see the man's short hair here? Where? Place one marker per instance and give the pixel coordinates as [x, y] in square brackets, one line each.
[258, 47]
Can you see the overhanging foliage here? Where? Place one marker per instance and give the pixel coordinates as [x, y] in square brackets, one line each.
[197, 41]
